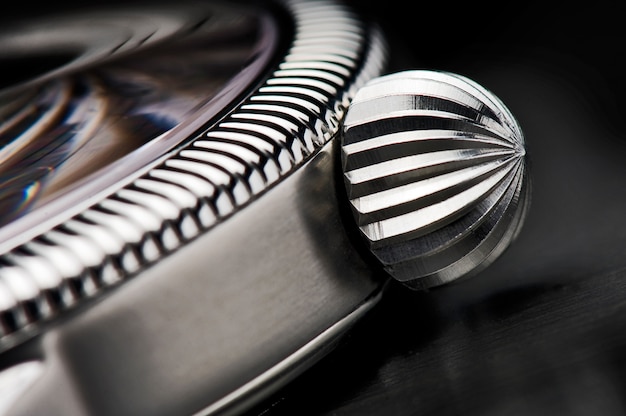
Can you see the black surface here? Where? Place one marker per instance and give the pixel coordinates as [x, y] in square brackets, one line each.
[541, 332]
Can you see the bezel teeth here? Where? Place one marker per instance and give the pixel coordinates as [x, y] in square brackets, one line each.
[209, 176]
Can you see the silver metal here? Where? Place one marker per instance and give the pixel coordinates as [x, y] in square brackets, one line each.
[210, 274]
[52, 267]
[217, 324]
[291, 366]
[434, 168]
[17, 379]
[218, 266]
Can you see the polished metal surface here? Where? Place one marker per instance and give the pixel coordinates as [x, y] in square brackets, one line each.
[213, 271]
[111, 234]
[540, 331]
[137, 83]
[434, 167]
[212, 329]
[15, 380]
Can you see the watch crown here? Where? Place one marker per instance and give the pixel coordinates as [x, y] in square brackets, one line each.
[434, 168]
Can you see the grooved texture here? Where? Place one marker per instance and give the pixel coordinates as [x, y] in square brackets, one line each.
[296, 111]
[434, 167]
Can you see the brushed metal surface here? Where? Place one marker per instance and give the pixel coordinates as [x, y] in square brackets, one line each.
[214, 315]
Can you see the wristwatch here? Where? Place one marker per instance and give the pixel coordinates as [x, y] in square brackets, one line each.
[200, 199]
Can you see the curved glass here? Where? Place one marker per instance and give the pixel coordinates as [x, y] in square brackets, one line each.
[93, 98]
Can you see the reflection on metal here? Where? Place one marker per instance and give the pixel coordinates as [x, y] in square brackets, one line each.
[186, 192]
[276, 377]
[15, 380]
[434, 167]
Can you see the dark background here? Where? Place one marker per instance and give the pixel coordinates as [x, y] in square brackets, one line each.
[542, 331]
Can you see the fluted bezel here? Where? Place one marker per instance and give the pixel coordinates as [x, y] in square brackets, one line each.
[266, 137]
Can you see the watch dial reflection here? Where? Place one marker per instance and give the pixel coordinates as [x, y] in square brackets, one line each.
[90, 90]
